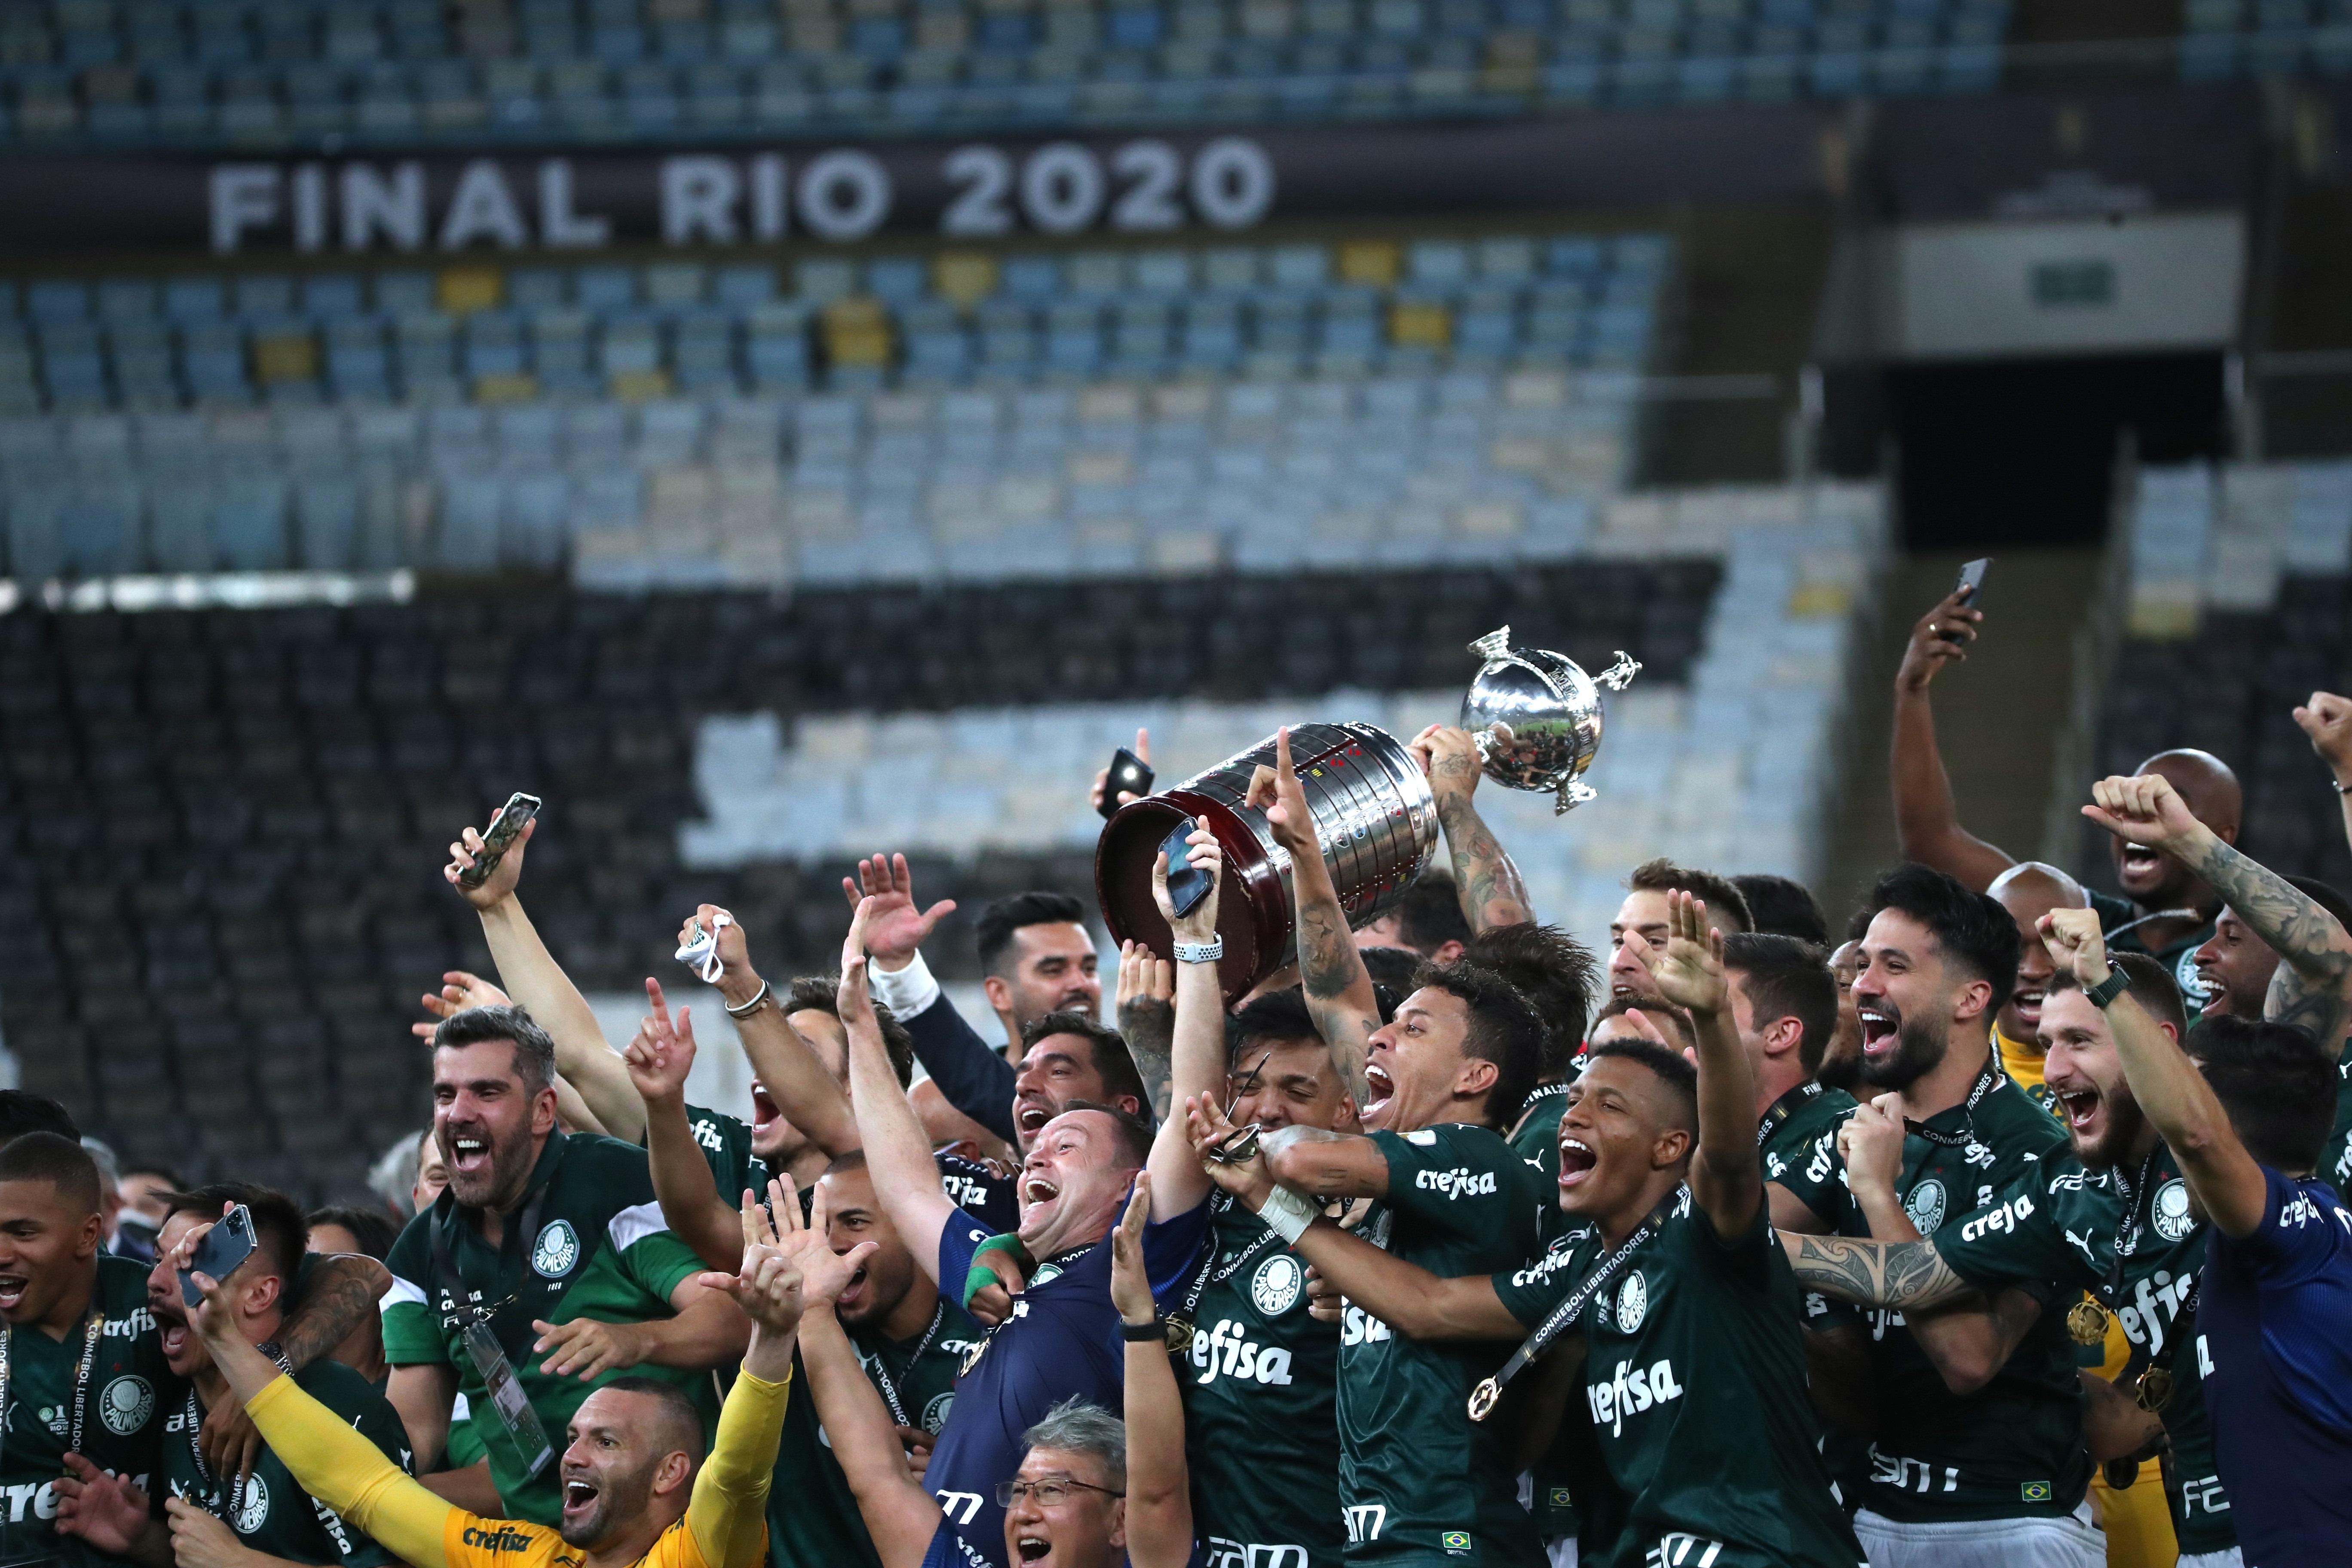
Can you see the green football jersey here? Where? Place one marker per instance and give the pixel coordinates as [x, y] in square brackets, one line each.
[726, 1144]
[270, 1514]
[1417, 1479]
[120, 1404]
[2014, 1449]
[2178, 957]
[1693, 1386]
[1259, 1382]
[1794, 1126]
[600, 1251]
[2063, 1223]
[1537, 1137]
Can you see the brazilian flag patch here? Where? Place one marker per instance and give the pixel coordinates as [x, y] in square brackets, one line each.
[1455, 1540]
[2034, 1492]
[1560, 1497]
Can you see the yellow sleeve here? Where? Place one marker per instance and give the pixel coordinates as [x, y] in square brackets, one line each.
[350, 1474]
[728, 1515]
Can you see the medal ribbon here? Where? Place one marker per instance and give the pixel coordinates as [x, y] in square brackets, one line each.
[888, 1384]
[1780, 1111]
[2152, 1390]
[1484, 1397]
[1986, 1081]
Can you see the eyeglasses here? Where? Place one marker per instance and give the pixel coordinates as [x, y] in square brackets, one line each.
[1053, 1491]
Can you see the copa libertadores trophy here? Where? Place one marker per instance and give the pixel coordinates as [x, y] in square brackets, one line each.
[1536, 716]
[1372, 813]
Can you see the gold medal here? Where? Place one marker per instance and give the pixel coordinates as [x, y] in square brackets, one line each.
[1180, 1336]
[2153, 1390]
[2087, 1321]
[1483, 1398]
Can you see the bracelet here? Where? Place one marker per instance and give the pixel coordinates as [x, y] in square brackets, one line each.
[2105, 993]
[2341, 787]
[748, 1008]
[1207, 951]
[1287, 1214]
[1153, 1333]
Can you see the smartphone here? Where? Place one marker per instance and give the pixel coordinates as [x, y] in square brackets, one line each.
[227, 1244]
[1186, 887]
[1970, 588]
[505, 828]
[1128, 773]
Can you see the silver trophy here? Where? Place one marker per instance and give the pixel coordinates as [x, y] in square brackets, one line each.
[1536, 716]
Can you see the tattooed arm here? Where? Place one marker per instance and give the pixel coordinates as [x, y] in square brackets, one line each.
[2313, 986]
[1485, 877]
[1147, 1019]
[1338, 988]
[1906, 1276]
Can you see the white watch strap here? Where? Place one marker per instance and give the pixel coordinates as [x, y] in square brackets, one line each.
[1207, 951]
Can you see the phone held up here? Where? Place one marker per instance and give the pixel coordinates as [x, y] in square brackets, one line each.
[227, 1244]
[505, 828]
[1186, 886]
[1970, 588]
[1127, 774]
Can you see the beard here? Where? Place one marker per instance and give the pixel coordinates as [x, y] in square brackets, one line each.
[508, 1170]
[2124, 1121]
[619, 1494]
[1919, 1048]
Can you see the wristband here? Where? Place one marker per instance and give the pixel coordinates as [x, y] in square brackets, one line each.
[1207, 951]
[1153, 1333]
[978, 1277]
[748, 1008]
[1287, 1214]
[2105, 993]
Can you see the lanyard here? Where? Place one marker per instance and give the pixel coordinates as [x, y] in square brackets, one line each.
[446, 1272]
[1482, 1397]
[888, 1384]
[1986, 1081]
[1219, 1207]
[92, 1326]
[1782, 1110]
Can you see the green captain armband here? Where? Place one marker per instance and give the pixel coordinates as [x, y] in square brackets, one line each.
[980, 1276]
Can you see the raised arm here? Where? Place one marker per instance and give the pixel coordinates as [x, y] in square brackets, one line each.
[534, 978]
[898, 1151]
[900, 1516]
[1486, 880]
[1159, 1485]
[2328, 720]
[1927, 821]
[1338, 988]
[808, 1095]
[1197, 1059]
[2223, 1176]
[1727, 1174]
[1146, 1011]
[659, 1059]
[2312, 986]
[972, 1073]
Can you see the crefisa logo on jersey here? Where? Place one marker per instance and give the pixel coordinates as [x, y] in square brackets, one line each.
[1275, 1287]
[1633, 1302]
[557, 1252]
[1926, 1206]
[125, 1404]
[2169, 1212]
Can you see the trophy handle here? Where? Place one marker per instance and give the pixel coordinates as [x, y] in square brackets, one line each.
[1573, 792]
[1496, 643]
[1620, 675]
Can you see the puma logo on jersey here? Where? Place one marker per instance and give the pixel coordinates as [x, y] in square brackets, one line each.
[1224, 1352]
[2006, 1217]
[1630, 1390]
[1357, 1327]
[1459, 1182]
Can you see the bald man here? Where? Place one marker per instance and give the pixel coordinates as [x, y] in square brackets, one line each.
[2028, 891]
[1928, 823]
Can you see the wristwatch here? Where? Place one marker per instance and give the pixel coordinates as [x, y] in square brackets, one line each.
[2108, 990]
[1207, 951]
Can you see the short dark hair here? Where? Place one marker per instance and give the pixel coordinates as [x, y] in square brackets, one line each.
[1968, 926]
[23, 1111]
[279, 1228]
[822, 993]
[1429, 914]
[1113, 1062]
[56, 1159]
[371, 1229]
[1650, 1008]
[1671, 1070]
[1134, 1131]
[1504, 1028]
[1391, 969]
[2147, 982]
[1783, 906]
[1788, 978]
[1000, 920]
[2277, 1085]
[534, 1052]
[1555, 973]
[1275, 1018]
[1724, 900]
[677, 1411]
